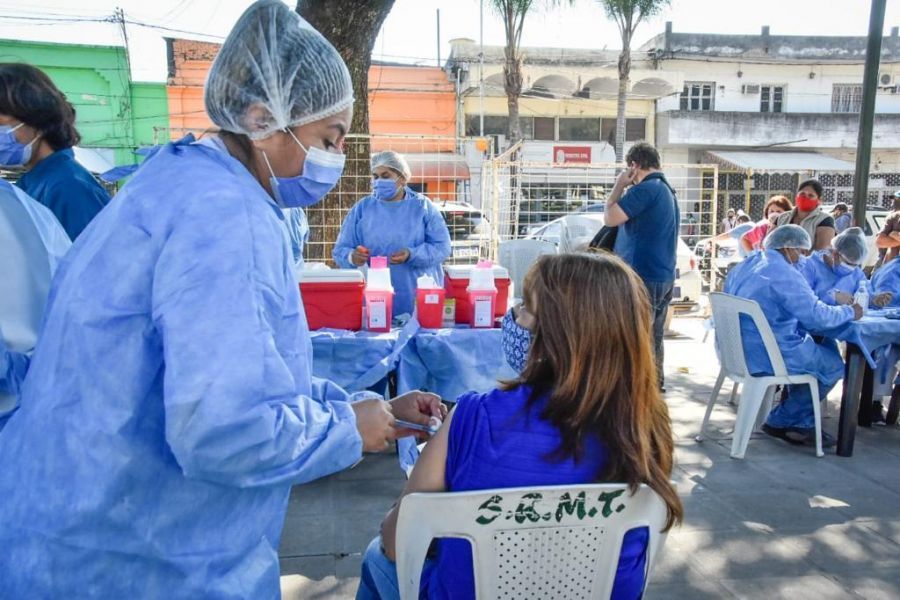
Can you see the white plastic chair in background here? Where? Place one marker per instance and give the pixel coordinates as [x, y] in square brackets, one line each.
[517, 256]
[543, 542]
[757, 392]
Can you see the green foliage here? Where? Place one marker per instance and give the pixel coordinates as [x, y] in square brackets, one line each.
[628, 14]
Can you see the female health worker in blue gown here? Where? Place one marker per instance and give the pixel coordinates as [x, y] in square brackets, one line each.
[37, 132]
[773, 280]
[399, 223]
[835, 274]
[170, 404]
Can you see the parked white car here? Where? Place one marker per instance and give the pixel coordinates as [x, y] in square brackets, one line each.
[469, 231]
[574, 231]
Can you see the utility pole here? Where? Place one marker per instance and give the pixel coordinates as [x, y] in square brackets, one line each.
[438, 38]
[127, 102]
[481, 73]
[867, 112]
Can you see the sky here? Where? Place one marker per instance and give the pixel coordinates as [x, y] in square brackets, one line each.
[409, 34]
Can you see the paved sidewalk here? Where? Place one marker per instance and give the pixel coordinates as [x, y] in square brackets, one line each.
[779, 524]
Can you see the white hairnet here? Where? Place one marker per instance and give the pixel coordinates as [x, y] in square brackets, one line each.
[851, 244]
[392, 160]
[275, 61]
[788, 236]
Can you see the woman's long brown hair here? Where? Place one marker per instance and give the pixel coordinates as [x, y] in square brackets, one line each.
[591, 350]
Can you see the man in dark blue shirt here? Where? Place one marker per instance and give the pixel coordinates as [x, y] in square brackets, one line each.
[648, 219]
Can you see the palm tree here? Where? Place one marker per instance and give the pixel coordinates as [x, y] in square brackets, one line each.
[513, 13]
[627, 14]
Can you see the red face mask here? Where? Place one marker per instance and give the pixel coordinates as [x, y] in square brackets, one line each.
[805, 203]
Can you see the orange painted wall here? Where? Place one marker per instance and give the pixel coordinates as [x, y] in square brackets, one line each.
[407, 101]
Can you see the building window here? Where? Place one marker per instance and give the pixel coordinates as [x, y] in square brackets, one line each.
[771, 98]
[846, 98]
[579, 129]
[545, 128]
[698, 95]
[493, 125]
[635, 129]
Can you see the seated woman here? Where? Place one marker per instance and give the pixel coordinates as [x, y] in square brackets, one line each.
[752, 240]
[808, 215]
[836, 274]
[743, 225]
[586, 408]
[397, 222]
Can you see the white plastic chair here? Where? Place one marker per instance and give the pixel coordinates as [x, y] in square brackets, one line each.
[543, 542]
[517, 256]
[757, 392]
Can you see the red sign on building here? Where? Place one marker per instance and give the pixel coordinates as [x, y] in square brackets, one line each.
[571, 154]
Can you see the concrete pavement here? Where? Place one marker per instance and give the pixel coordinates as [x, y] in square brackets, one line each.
[779, 524]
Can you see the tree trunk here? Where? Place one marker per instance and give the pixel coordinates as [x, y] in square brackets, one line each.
[352, 27]
[624, 72]
[512, 73]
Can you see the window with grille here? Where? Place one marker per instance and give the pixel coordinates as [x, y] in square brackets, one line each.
[577, 129]
[846, 98]
[698, 95]
[635, 129]
[771, 98]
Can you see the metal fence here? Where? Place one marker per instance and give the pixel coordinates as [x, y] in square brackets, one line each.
[564, 204]
[749, 190]
[446, 169]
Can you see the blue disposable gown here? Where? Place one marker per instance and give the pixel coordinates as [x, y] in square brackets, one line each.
[32, 244]
[413, 223]
[825, 282]
[792, 309]
[298, 233]
[887, 279]
[170, 405]
[61, 184]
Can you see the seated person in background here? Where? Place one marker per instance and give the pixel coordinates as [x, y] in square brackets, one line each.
[752, 240]
[397, 222]
[586, 408]
[836, 274]
[886, 280]
[807, 213]
[888, 239]
[842, 218]
[743, 226]
[792, 309]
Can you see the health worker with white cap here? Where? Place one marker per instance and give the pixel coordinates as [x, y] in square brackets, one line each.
[835, 274]
[397, 222]
[170, 403]
[773, 280]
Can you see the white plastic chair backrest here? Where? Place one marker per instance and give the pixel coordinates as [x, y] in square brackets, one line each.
[517, 256]
[545, 542]
[727, 310]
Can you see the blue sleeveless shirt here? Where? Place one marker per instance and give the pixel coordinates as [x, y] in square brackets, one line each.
[497, 441]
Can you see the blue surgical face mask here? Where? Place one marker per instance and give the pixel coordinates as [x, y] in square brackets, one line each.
[14, 153]
[843, 270]
[321, 172]
[384, 189]
[515, 341]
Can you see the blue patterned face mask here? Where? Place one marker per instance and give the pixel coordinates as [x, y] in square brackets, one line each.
[515, 341]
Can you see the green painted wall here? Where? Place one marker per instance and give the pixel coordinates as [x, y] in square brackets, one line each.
[112, 111]
[151, 113]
